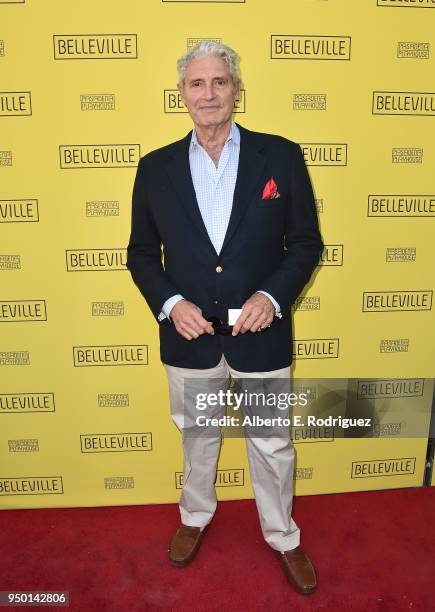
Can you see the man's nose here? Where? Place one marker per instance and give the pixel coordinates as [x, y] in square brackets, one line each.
[209, 92]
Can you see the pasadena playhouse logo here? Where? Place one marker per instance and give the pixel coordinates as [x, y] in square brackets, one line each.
[416, 50]
[418, 103]
[407, 3]
[116, 442]
[173, 104]
[94, 46]
[316, 348]
[332, 255]
[96, 260]
[102, 208]
[324, 153]
[10, 262]
[305, 473]
[310, 390]
[119, 482]
[397, 345]
[401, 254]
[390, 388]
[14, 358]
[111, 400]
[99, 156]
[19, 211]
[91, 102]
[22, 311]
[192, 42]
[6, 158]
[305, 101]
[233, 477]
[23, 445]
[307, 47]
[107, 309]
[407, 155]
[110, 355]
[395, 301]
[401, 205]
[387, 430]
[307, 303]
[376, 468]
[20, 403]
[15, 103]
[32, 485]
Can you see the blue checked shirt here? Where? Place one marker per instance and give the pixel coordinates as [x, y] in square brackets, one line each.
[214, 188]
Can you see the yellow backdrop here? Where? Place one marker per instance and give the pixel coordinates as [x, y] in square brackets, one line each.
[89, 87]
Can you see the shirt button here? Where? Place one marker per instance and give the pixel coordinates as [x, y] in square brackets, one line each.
[218, 269]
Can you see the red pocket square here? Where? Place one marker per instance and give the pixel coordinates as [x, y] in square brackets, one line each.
[270, 191]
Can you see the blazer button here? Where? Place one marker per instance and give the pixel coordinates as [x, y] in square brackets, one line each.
[218, 269]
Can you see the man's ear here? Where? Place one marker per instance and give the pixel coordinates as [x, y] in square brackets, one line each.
[238, 86]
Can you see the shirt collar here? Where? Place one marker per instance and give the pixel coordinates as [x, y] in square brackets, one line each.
[233, 136]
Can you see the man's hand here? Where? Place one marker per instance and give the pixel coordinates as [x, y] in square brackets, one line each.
[189, 321]
[257, 313]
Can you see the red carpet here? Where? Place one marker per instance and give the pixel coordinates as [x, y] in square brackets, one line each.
[371, 550]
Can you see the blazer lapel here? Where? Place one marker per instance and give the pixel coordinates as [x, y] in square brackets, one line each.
[178, 170]
[251, 165]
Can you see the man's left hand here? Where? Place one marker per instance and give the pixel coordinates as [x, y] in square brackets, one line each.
[257, 314]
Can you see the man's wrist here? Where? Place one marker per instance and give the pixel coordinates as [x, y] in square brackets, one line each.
[274, 302]
[168, 306]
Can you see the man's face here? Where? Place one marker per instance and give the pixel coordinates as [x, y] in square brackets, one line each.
[209, 92]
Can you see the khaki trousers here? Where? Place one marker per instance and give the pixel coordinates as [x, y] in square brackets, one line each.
[271, 462]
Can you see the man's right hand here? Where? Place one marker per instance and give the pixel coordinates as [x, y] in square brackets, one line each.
[189, 321]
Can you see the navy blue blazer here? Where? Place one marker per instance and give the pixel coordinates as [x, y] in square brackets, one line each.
[273, 245]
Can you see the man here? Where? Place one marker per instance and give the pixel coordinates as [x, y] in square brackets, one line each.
[234, 213]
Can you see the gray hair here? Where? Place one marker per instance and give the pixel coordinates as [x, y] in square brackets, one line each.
[209, 47]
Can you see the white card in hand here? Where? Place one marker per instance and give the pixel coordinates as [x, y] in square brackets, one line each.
[233, 315]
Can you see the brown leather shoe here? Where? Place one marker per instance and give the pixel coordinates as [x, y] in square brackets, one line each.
[184, 545]
[299, 570]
